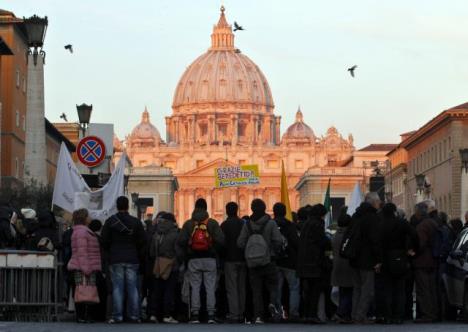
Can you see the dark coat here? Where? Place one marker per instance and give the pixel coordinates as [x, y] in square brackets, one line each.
[342, 271]
[426, 231]
[232, 228]
[289, 232]
[47, 227]
[370, 249]
[164, 241]
[185, 235]
[313, 243]
[124, 239]
[397, 235]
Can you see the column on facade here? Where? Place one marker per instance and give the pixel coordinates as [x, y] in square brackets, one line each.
[181, 214]
[191, 199]
[175, 124]
[277, 129]
[235, 128]
[193, 127]
[211, 128]
[234, 195]
[254, 128]
[209, 201]
[251, 197]
[168, 129]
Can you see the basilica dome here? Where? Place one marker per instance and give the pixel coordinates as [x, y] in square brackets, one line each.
[299, 129]
[223, 75]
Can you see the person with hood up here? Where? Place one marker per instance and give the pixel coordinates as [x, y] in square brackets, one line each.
[312, 261]
[262, 274]
[123, 239]
[162, 252]
[201, 239]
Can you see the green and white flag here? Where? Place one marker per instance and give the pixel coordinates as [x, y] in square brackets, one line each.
[327, 204]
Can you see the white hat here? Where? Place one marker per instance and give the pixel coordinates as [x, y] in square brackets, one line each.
[28, 213]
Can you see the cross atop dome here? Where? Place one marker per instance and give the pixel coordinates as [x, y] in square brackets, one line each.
[145, 117]
[222, 38]
[299, 116]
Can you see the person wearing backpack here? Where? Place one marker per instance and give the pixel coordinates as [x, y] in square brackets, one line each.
[312, 265]
[425, 266]
[261, 240]
[287, 263]
[201, 238]
[400, 242]
[124, 240]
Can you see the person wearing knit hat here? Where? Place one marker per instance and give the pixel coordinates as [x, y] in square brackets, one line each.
[262, 275]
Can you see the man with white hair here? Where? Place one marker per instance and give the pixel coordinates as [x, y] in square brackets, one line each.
[369, 258]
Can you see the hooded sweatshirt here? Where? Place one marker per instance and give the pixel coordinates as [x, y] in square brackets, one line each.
[271, 233]
[185, 235]
[163, 243]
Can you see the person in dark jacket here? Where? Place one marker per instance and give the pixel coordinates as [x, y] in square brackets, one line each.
[311, 261]
[266, 275]
[369, 256]
[202, 265]
[287, 263]
[46, 236]
[163, 249]
[123, 237]
[400, 241]
[457, 226]
[425, 266]
[235, 269]
[342, 270]
[7, 238]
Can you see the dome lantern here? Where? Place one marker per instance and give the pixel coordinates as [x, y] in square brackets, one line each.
[222, 37]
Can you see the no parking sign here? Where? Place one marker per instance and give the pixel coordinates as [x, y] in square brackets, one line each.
[91, 151]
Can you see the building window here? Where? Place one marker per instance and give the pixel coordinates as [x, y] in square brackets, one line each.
[17, 78]
[203, 130]
[299, 164]
[222, 129]
[23, 118]
[17, 118]
[272, 164]
[241, 129]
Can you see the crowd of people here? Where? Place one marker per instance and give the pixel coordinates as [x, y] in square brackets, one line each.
[249, 269]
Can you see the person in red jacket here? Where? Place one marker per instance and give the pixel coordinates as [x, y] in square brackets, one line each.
[85, 259]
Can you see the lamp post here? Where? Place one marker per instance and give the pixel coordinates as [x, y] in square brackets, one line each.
[84, 116]
[464, 182]
[35, 147]
[420, 183]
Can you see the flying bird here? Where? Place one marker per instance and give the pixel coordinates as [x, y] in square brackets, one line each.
[69, 47]
[64, 117]
[237, 27]
[352, 69]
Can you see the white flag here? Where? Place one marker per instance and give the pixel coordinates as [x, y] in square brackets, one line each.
[71, 191]
[356, 199]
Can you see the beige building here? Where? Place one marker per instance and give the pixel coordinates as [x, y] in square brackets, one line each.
[433, 151]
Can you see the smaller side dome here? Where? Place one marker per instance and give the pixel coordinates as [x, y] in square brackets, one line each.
[299, 130]
[144, 134]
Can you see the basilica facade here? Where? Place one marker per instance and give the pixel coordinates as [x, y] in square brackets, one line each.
[223, 113]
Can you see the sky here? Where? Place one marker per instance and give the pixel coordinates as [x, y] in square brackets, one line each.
[411, 54]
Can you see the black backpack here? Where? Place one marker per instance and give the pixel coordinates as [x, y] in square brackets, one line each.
[350, 246]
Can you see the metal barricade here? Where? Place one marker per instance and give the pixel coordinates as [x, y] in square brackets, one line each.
[29, 285]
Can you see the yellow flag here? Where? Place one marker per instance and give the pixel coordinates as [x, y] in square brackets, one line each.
[284, 193]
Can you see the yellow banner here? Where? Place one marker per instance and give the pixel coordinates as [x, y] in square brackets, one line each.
[233, 176]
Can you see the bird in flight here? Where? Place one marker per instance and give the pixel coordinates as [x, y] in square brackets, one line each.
[64, 117]
[69, 47]
[237, 26]
[352, 69]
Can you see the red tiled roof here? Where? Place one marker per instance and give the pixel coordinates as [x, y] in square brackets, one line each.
[379, 147]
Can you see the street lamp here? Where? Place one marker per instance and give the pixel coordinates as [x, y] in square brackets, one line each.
[84, 115]
[464, 159]
[135, 198]
[420, 181]
[36, 29]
